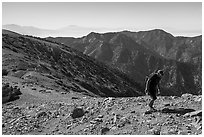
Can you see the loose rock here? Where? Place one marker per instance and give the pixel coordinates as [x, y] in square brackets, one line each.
[104, 130]
[77, 113]
[194, 113]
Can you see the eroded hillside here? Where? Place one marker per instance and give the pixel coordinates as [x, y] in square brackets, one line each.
[27, 57]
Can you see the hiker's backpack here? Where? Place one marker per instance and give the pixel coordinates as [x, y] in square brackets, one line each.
[147, 78]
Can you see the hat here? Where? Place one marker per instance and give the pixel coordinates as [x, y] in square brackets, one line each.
[161, 72]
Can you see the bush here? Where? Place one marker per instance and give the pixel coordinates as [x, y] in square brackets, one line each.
[9, 93]
[4, 72]
[6, 90]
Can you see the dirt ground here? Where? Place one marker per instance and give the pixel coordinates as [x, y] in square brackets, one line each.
[44, 110]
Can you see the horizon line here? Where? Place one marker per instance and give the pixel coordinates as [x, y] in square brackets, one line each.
[101, 30]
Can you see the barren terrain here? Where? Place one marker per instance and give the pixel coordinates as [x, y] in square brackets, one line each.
[49, 89]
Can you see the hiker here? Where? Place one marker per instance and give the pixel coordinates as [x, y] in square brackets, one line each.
[152, 86]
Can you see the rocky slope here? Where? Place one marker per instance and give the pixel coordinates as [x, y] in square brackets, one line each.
[140, 53]
[41, 110]
[37, 60]
[60, 91]
[182, 49]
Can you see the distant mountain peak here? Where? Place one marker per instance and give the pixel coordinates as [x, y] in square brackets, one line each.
[93, 33]
[157, 32]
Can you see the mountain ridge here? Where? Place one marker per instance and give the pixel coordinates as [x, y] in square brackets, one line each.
[70, 30]
[140, 53]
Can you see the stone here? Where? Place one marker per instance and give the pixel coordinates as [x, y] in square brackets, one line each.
[188, 127]
[123, 121]
[148, 112]
[181, 111]
[178, 115]
[186, 95]
[93, 122]
[113, 128]
[132, 111]
[68, 126]
[194, 113]
[104, 130]
[75, 98]
[167, 105]
[122, 108]
[100, 116]
[198, 98]
[197, 123]
[77, 113]
[40, 114]
[86, 129]
[174, 97]
[48, 91]
[98, 120]
[156, 132]
[42, 90]
[171, 116]
[114, 118]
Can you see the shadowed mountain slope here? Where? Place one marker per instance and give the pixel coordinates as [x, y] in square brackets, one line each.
[140, 53]
[24, 56]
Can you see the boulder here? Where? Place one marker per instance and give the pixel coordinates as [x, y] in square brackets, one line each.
[133, 111]
[77, 113]
[198, 98]
[186, 95]
[181, 111]
[104, 130]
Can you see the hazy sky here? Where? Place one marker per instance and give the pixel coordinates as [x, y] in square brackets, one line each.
[176, 18]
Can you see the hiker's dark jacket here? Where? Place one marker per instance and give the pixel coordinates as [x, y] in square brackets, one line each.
[152, 83]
